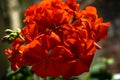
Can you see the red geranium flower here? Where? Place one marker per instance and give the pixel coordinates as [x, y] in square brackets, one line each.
[15, 54]
[60, 39]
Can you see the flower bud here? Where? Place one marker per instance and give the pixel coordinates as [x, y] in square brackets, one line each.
[5, 38]
[8, 31]
[11, 39]
[14, 34]
[10, 35]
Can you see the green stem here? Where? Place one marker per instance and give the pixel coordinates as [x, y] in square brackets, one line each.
[21, 38]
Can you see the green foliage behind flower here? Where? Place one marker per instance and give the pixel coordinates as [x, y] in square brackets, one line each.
[22, 74]
[100, 70]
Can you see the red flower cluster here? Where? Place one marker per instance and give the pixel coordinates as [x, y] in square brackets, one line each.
[60, 39]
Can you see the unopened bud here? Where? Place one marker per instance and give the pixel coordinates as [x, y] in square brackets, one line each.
[13, 34]
[5, 38]
[11, 39]
[8, 31]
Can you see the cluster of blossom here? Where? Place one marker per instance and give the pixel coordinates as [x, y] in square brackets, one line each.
[59, 39]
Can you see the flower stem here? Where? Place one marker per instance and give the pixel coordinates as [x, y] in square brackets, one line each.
[21, 38]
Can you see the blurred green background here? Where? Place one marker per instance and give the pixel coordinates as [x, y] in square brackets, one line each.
[107, 61]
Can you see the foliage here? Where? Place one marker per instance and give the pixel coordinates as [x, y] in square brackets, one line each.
[24, 73]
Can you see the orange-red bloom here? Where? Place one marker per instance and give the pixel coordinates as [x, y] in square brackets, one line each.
[60, 39]
[15, 54]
